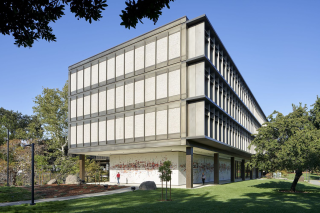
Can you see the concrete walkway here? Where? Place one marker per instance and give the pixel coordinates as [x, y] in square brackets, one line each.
[195, 185]
[67, 198]
[315, 182]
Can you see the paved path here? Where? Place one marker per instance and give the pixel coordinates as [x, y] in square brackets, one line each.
[195, 185]
[67, 198]
[315, 182]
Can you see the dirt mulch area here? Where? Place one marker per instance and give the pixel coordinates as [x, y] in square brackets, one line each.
[64, 190]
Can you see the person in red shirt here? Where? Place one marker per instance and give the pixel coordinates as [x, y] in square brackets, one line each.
[118, 177]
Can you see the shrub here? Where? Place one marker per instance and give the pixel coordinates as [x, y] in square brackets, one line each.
[269, 175]
[284, 173]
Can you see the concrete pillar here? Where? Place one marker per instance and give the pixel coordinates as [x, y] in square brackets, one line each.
[189, 167]
[232, 169]
[82, 167]
[243, 172]
[216, 168]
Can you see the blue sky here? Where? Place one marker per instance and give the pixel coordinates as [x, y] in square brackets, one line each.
[275, 45]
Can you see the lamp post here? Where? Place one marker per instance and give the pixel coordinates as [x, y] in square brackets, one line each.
[32, 172]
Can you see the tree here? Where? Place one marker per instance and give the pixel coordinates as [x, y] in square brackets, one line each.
[165, 174]
[29, 20]
[51, 107]
[315, 114]
[92, 167]
[19, 160]
[289, 142]
[41, 164]
[65, 165]
[16, 122]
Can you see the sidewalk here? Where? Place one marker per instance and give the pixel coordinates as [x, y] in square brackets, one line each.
[315, 182]
[68, 198]
[195, 185]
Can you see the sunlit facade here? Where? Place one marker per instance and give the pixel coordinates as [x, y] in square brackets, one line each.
[173, 93]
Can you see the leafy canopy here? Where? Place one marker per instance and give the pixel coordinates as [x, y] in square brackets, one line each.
[165, 171]
[51, 107]
[20, 126]
[289, 142]
[29, 20]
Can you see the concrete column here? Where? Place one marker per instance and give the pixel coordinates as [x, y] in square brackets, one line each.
[189, 167]
[216, 168]
[243, 172]
[82, 167]
[232, 169]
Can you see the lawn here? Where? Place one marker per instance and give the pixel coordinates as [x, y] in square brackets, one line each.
[248, 196]
[10, 194]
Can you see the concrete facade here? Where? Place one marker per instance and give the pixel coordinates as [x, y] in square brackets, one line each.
[173, 93]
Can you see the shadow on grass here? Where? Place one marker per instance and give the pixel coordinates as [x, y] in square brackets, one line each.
[286, 185]
[254, 198]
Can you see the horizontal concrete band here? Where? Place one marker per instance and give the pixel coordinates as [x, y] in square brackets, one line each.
[202, 142]
[126, 147]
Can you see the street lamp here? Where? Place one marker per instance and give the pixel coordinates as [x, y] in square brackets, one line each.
[32, 172]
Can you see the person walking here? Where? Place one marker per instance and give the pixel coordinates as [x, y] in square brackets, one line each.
[118, 177]
[203, 178]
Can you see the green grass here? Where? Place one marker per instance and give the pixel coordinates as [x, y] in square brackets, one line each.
[248, 196]
[312, 176]
[11, 194]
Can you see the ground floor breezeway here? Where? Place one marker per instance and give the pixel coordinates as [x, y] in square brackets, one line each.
[188, 165]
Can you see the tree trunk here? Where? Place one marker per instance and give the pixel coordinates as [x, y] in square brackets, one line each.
[14, 178]
[295, 181]
[170, 187]
[166, 190]
[162, 188]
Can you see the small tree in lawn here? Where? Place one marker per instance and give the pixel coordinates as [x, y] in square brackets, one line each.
[289, 142]
[165, 174]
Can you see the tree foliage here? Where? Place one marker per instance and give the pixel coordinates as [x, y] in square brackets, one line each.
[51, 107]
[137, 10]
[165, 174]
[165, 171]
[289, 142]
[20, 126]
[93, 168]
[19, 160]
[29, 20]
